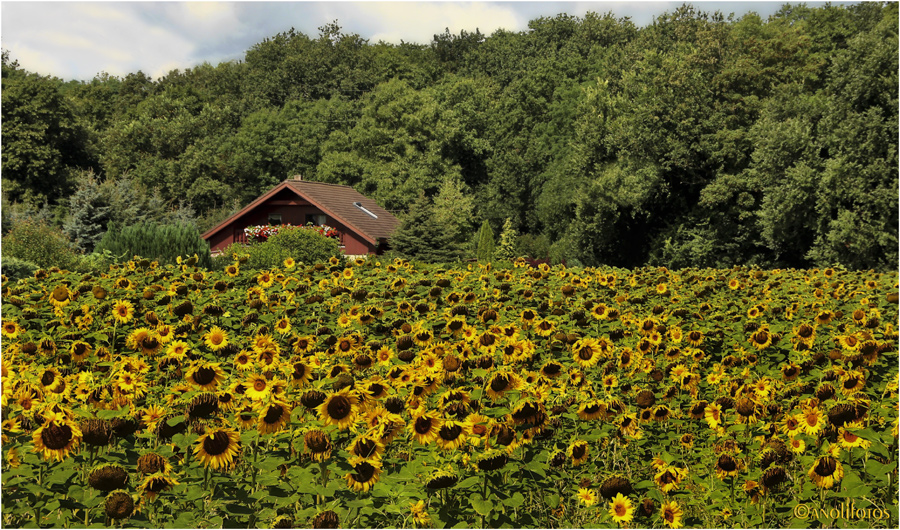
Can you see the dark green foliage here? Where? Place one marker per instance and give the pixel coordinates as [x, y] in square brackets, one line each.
[305, 246]
[697, 140]
[15, 269]
[42, 141]
[41, 244]
[151, 240]
[258, 256]
[421, 236]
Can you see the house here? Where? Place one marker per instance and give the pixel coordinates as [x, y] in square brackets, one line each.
[364, 226]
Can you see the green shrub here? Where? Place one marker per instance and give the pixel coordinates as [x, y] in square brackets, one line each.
[258, 255]
[41, 244]
[16, 269]
[161, 242]
[97, 262]
[304, 245]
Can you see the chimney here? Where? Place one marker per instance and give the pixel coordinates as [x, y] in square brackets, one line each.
[298, 177]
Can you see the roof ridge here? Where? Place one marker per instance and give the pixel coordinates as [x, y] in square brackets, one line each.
[322, 183]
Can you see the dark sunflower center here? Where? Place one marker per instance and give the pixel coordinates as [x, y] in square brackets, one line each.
[216, 444]
[592, 409]
[48, 378]
[364, 472]
[579, 451]
[423, 425]
[56, 436]
[150, 343]
[695, 336]
[552, 369]
[375, 389]
[273, 414]
[365, 448]
[586, 353]
[157, 485]
[450, 433]
[850, 383]
[339, 408]
[204, 376]
[499, 383]
[826, 467]
[727, 464]
[317, 442]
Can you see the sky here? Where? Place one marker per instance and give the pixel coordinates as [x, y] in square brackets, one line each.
[79, 40]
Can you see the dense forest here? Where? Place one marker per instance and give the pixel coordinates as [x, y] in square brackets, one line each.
[698, 140]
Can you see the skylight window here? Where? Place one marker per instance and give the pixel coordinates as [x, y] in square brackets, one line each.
[361, 207]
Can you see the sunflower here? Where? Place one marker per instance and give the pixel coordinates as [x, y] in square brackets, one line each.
[123, 311]
[671, 514]
[304, 344]
[452, 434]
[11, 329]
[695, 338]
[177, 350]
[424, 426]
[367, 447]
[578, 451]
[588, 497]
[713, 415]
[668, 478]
[257, 387]
[57, 437]
[420, 514]
[852, 382]
[621, 509]
[797, 445]
[502, 382]
[283, 325]
[826, 471]
[727, 466]
[216, 339]
[157, 483]
[273, 416]
[205, 375]
[339, 408]
[761, 338]
[364, 475]
[217, 448]
[812, 420]
[319, 445]
[849, 440]
[592, 410]
[586, 352]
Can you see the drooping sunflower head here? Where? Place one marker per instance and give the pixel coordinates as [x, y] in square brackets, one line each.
[364, 475]
[108, 477]
[119, 505]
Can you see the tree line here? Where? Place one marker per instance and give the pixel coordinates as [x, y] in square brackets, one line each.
[699, 140]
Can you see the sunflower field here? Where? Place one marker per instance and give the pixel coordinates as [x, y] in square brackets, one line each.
[390, 394]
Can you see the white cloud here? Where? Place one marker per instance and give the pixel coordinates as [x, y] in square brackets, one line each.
[419, 22]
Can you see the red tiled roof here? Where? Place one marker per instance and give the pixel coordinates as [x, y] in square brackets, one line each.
[335, 200]
[340, 202]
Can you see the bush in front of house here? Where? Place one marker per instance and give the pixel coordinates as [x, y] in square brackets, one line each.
[156, 241]
[41, 244]
[303, 245]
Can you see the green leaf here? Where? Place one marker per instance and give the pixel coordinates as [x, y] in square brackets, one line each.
[482, 506]
[515, 501]
[552, 500]
[468, 482]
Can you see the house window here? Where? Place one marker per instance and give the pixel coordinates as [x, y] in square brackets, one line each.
[316, 219]
[274, 219]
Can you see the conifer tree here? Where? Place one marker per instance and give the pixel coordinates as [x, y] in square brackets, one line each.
[420, 236]
[507, 248]
[484, 242]
[89, 213]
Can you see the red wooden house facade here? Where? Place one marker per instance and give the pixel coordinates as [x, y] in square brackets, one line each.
[364, 226]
